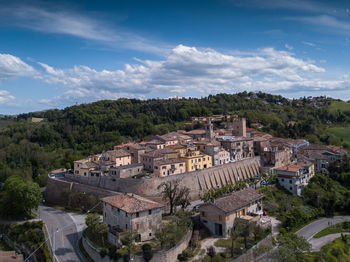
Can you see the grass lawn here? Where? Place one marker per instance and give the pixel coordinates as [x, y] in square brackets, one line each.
[337, 228]
[338, 250]
[341, 105]
[341, 132]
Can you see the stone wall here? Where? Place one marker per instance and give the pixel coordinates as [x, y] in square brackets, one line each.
[168, 255]
[249, 256]
[198, 182]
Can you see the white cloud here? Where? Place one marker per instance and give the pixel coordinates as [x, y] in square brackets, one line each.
[5, 97]
[289, 47]
[327, 21]
[308, 43]
[12, 66]
[192, 71]
[67, 22]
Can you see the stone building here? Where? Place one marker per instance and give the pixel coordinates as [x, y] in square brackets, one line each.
[277, 156]
[84, 166]
[238, 147]
[219, 214]
[213, 149]
[168, 167]
[118, 157]
[237, 126]
[125, 171]
[295, 177]
[148, 159]
[126, 212]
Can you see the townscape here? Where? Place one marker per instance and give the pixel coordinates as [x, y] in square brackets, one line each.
[174, 131]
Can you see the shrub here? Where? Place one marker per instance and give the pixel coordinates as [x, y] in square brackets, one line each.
[147, 252]
[185, 255]
[103, 252]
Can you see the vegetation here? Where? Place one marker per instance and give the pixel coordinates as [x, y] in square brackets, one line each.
[19, 197]
[32, 149]
[96, 230]
[337, 228]
[290, 210]
[336, 251]
[174, 194]
[28, 234]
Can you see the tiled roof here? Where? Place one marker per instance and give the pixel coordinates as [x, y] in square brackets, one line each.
[236, 200]
[168, 161]
[289, 168]
[131, 203]
[118, 153]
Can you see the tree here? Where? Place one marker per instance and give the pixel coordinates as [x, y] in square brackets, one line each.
[244, 227]
[20, 197]
[233, 235]
[174, 194]
[92, 220]
[291, 248]
[129, 242]
[147, 252]
[256, 230]
[101, 229]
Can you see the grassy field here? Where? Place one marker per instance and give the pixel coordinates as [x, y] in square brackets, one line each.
[341, 132]
[338, 228]
[341, 105]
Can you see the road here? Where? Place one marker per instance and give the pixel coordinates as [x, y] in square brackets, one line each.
[311, 229]
[68, 228]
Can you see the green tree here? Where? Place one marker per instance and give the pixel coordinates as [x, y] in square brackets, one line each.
[147, 252]
[291, 248]
[92, 220]
[19, 197]
[101, 229]
[245, 228]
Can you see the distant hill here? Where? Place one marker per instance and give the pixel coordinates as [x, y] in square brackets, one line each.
[31, 149]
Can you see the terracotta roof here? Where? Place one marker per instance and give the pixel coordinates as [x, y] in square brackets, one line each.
[10, 256]
[236, 200]
[118, 153]
[289, 168]
[168, 161]
[131, 203]
[196, 132]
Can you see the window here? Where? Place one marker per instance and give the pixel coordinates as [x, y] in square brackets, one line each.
[126, 226]
[150, 212]
[137, 214]
[137, 226]
[203, 214]
[150, 234]
[227, 217]
[84, 173]
[220, 218]
[290, 181]
[290, 188]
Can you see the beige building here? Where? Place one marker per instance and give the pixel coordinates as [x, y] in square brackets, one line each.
[168, 167]
[237, 126]
[238, 147]
[219, 214]
[84, 166]
[148, 159]
[195, 160]
[126, 212]
[119, 157]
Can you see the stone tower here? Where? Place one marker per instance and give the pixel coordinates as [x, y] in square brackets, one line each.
[209, 131]
[238, 127]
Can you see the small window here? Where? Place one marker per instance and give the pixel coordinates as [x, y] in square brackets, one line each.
[220, 218]
[137, 214]
[150, 234]
[137, 226]
[126, 226]
[150, 212]
[227, 217]
[203, 214]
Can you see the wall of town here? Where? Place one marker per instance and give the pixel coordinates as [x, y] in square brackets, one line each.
[197, 181]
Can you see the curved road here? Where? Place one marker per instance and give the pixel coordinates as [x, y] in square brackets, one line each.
[311, 229]
[68, 228]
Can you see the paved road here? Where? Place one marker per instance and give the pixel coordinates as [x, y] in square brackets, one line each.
[68, 227]
[311, 229]
[318, 243]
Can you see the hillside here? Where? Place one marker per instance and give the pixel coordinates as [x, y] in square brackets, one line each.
[32, 149]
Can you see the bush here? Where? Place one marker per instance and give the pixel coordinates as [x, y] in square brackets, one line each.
[185, 255]
[103, 252]
[147, 252]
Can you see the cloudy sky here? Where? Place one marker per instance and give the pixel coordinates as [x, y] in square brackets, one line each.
[55, 53]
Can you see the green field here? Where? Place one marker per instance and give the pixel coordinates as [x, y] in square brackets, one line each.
[341, 105]
[341, 132]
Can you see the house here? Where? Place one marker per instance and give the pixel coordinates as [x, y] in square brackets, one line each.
[148, 159]
[295, 177]
[118, 157]
[125, 171]
[195, 160]
[168, 167]
[219, 214]
[126, 212]
[84, 166]
[10, 256]
[213, 149]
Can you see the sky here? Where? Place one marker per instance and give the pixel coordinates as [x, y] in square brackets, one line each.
[55, 54]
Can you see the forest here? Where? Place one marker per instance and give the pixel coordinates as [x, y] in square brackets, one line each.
[30, 150]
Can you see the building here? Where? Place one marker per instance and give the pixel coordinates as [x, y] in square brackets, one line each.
[149, 158]
[196, 134]
[195, 160]
[238, 147]
[274, 156]
[118, 157]
[238, 126]
[219, 214]
[213, 149]
[295, 177]
[209, 130]
[168, 167]
[125, 171]
[126, 212]
[10, 256]
[84, 166]
[136, 150]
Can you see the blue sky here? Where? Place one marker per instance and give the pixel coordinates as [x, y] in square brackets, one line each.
[55, 53]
